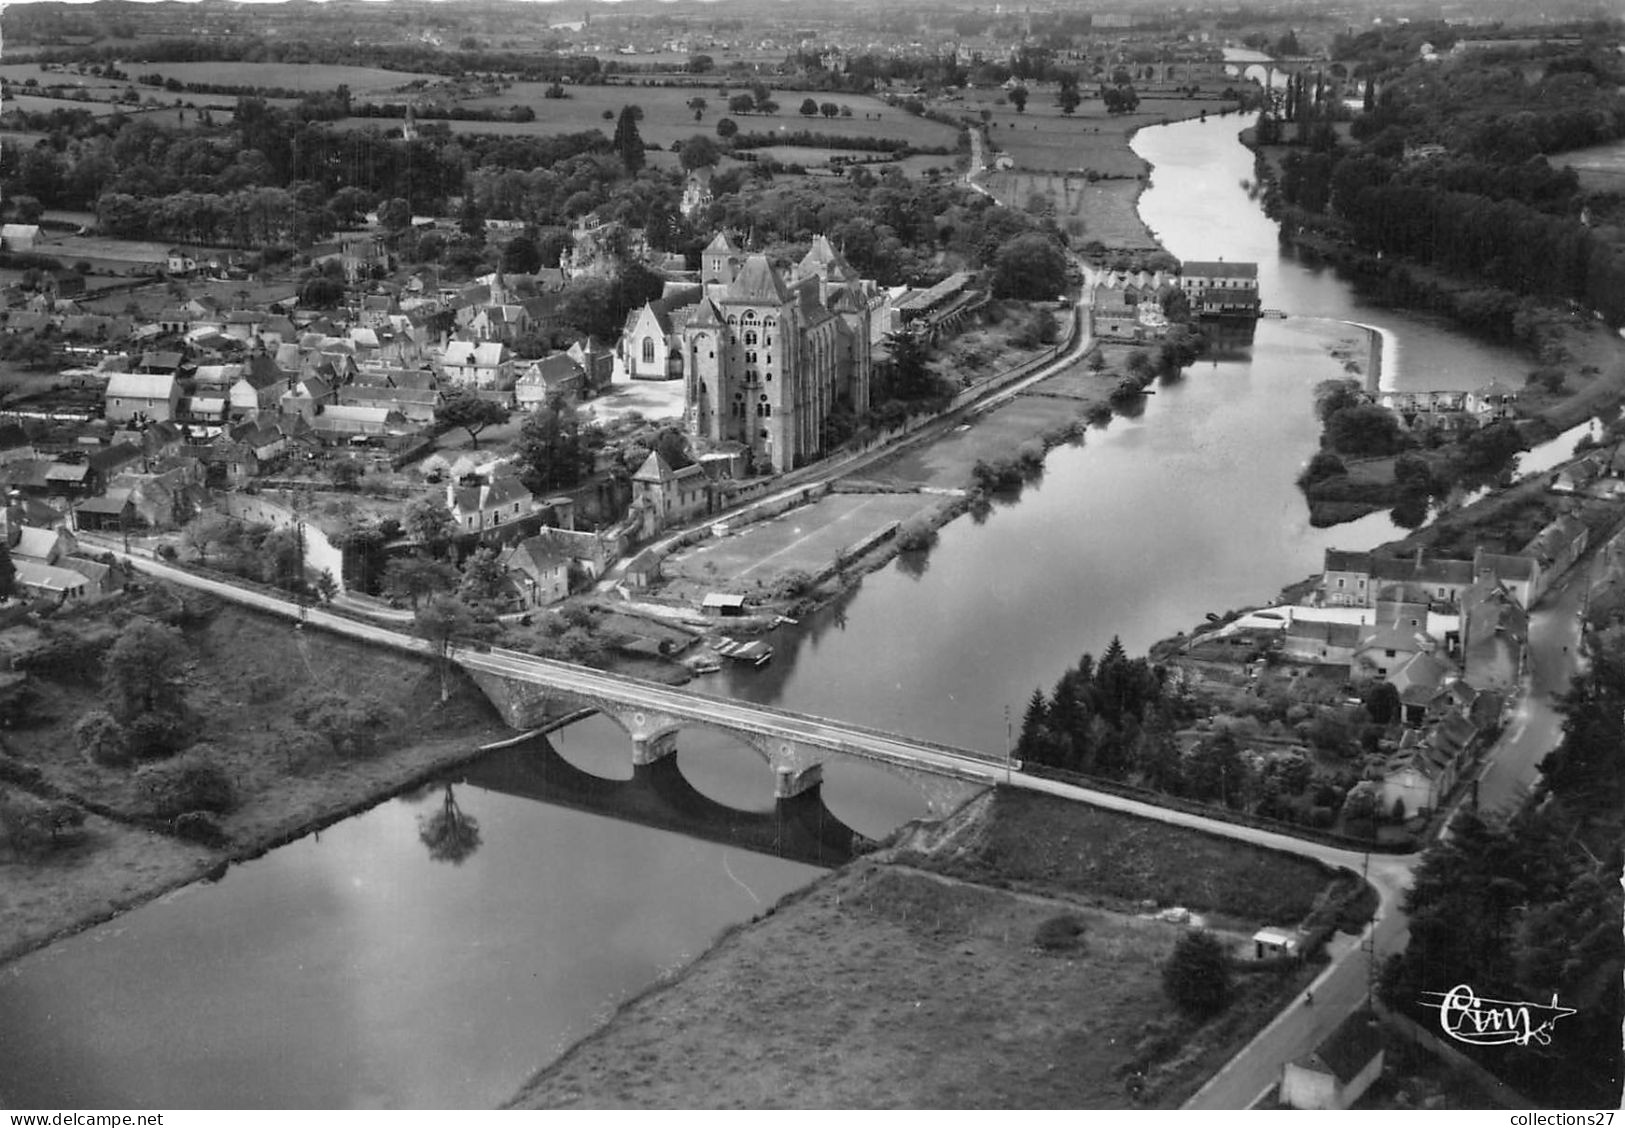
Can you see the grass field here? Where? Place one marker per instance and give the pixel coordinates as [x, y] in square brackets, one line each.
[667, 118]
[304, 76]
[1037, 842]
[883, 986]
[1601, 168]
[806, 538]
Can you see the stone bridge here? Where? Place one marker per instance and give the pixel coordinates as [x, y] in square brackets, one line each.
[799, 828]
[530, 691]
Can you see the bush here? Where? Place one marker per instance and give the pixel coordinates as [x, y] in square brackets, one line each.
[1062, 933]
[196, 826]
[190, 783]
[1323, 465]
[102, 738]
[36, 826]
[1197, 975]
[155, 736]
[915, 534]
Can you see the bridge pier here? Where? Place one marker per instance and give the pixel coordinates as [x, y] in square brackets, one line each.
[647, 749]
[790, 781]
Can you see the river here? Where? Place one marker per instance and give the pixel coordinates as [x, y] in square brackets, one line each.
[350, 969]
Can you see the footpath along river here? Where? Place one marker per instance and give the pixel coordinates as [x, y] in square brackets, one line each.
[349, 969]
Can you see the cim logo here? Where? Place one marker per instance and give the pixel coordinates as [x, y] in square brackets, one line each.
[1493, 1022]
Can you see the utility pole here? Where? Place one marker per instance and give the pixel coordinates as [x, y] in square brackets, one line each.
[1009, 743]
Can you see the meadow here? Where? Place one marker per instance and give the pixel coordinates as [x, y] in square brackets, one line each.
[667, 118]
[290, 76]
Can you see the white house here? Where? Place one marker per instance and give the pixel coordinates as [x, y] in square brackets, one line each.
[478, 364]
[149, 395]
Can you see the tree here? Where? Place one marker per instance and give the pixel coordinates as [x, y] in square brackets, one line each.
[553, 449]
[829, 109]
[1332, 396]
[627, 141]
[450, 835]
[1068, 97]
[326, 586]
[699, 151]
[484, 583]
[1196, 977]
[465, 408]
[697, 104]
[1018, 99]
[809, 107]
[440, 620]
[1365, 429]
[1030, 267]
[726, 128]
[430, 523]
[395, 215]
[321, 292]
[144, 670]
[521, 255]
[414, 578]
[740, 104]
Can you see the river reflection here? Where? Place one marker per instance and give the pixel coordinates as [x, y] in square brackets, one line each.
[350, 969]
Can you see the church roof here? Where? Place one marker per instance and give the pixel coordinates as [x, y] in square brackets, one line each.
[654, 469]
[759, 282]
[824, 259]
[705, 317]
[722, 243]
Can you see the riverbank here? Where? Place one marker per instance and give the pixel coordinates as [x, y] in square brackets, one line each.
[1577, 364]
[957, 970]
[250, 676]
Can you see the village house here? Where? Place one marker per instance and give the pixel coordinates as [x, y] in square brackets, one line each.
[141, 396]
[487, 504]
[539, 569]
[257, 391]
[1520, 575]
[1555, 549]
[486, 365]
[18, 238]
[1337, 1072]
[1320, 642]
[1385, 649]
[555, 375]
[1492, 403]
[1494, 636]
[1221, 289]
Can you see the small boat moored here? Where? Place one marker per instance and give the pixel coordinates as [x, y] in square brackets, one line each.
[751, 653]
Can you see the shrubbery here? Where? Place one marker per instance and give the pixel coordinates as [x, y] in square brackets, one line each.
[188, 783]
[1197, 975]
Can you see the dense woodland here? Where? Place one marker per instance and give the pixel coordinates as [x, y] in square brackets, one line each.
[1447, 167]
